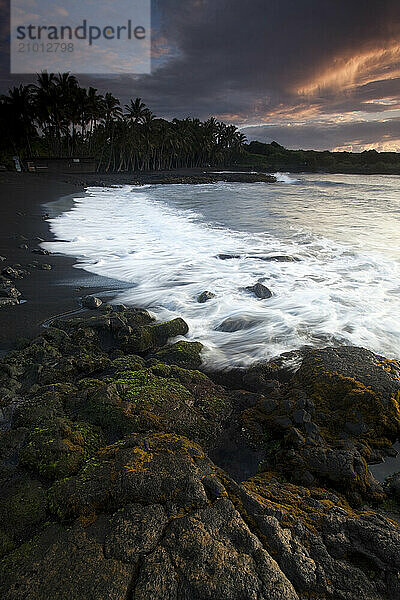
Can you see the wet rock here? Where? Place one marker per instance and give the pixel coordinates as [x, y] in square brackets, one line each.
[64, 563]
[46, 267]
[228, 256]
[40, 251]
[205, 296]
[119, 308]
[12, 273]
[330, 385]
[8, 302]
[217, 556]
[23, 247]
[22, 509]
[2, 258]
[107, 491]
[232, 324]
[283, 422]
[183, 354]
[150, 337]
[278, 258]
[8, 290]
[260, 290]
[59, 448]
[153, 469]
[157, 579]
[91, 302]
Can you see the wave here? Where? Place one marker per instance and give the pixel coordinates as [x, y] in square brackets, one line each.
[285, 178]
[330, 295]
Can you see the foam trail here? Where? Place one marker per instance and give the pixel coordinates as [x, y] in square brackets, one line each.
[334, 294]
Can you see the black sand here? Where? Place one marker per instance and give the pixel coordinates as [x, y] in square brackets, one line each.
[22, 222]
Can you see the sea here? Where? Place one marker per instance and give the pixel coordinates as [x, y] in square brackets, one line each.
[326, 246]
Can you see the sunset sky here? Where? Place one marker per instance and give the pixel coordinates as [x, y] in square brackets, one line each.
[321, 74]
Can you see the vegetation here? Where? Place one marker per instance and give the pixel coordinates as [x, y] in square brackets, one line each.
[57, 117]
[274, 157]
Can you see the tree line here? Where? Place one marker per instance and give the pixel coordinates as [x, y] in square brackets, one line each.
[56, 117]
[274, 157]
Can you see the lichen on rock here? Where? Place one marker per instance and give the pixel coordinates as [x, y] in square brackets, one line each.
[107, 490]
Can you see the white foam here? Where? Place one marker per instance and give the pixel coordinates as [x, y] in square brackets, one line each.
[333, 295]
[285, 178]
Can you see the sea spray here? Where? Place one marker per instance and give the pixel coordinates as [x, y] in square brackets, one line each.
[166, 242]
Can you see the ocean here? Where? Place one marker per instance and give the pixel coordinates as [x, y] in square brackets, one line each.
[338, 283]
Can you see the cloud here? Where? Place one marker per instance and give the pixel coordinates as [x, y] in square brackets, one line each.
[353, 136]
[282, 63]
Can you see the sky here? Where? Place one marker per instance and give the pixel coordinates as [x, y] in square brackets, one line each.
[321, 74]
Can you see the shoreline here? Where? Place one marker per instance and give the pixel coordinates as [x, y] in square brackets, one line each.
[24, 200]
[46, 292]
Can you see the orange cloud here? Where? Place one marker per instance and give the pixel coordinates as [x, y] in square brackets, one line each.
[347, 72]
[358, 146]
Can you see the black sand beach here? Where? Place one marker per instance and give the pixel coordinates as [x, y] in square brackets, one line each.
[22, 222]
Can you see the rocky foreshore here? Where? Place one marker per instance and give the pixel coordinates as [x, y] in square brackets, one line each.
[108, 491]
[185, 176]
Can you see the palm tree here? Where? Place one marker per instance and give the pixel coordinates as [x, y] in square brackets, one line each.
[18, 115]
[66, 118]
[136, 111]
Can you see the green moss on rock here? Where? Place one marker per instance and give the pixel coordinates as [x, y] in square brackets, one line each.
[184, 354]
[23, 505]
[59, 448]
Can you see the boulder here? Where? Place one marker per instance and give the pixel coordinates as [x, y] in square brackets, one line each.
[344, 402]
[259, 290]
[108, 491]
[184, 354]
[278, 258]
[91, 302]
[205, 296]
[393, 485]
[238, 323]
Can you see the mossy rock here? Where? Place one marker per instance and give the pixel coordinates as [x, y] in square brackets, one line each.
[339, 410]
[100, 404]
[11, 442]
[151, 337]
[152, 468]
[144, 387]
[59, 448]
[62, 563]
[129, 362]
[168, 398]
[184, 354]
[46, 405]
[97, 322]
[23, 505]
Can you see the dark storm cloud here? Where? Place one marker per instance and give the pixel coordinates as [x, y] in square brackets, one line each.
[248, 61]
[236, 55]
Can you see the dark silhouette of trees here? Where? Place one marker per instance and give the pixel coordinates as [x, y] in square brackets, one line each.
[57, 117]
